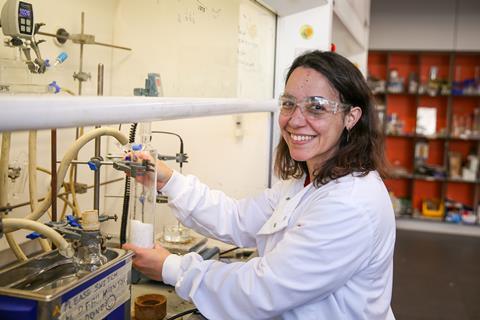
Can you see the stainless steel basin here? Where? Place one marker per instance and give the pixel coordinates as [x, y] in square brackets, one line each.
[49, 275]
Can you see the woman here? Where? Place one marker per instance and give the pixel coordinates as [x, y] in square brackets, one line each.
[325, 233]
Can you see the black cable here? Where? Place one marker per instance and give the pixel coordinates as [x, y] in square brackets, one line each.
[178, 136]
[126, 194]
[126, 203]
[227, 251]
[133, 131]
[184, 313]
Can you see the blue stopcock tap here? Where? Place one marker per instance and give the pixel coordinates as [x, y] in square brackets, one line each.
[72, 221]
[137, 147]
[34, 235]
[60, 58]
[54, 87]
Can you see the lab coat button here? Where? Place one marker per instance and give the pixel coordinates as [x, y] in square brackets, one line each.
[287, 198]
[275, 224]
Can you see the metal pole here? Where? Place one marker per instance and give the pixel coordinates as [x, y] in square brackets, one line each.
[96, 182]
[100, 80]
[95, 42]
[77, 131]
[81, 54]
[53, 183]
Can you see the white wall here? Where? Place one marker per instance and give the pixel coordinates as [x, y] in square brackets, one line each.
[350, 30]
[425, 25]
[196, 51]
[468, 24]
[290, 42]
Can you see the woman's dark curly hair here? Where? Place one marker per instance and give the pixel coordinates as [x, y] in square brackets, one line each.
[363, 151]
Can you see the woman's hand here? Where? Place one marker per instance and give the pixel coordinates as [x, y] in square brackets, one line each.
[149, 261]
[164, 173]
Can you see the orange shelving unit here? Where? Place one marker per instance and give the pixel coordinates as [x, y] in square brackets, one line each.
[430, 165]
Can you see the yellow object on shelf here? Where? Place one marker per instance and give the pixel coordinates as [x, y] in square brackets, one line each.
[433, 208]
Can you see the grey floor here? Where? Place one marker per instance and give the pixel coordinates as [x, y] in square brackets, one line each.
[436, 276]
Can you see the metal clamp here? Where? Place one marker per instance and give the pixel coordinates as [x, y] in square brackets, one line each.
[81, 76]
[179, 157]
[95, 163]
[104, 217]
[14, 172]
[65, 230]
[134, 169]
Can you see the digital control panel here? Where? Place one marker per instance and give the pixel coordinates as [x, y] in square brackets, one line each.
[25, 18]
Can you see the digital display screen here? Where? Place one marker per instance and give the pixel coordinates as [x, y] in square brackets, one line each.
[24, 10]
[24, 13]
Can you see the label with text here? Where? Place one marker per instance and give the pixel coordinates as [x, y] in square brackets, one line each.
[101, 298]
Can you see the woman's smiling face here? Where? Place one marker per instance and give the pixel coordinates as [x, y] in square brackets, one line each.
[311, 140]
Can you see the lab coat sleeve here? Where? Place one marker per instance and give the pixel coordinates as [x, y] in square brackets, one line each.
[215, 215]
[318, 255]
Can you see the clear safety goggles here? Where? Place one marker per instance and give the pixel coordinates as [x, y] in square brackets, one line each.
[311, 107]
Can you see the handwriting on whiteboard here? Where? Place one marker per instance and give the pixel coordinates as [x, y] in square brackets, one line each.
[192, 11]
[248, 43]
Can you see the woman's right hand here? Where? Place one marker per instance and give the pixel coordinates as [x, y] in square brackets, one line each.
[164, 173]
[149, 261]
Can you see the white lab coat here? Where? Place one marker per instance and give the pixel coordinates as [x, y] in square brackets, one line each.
[324, 253]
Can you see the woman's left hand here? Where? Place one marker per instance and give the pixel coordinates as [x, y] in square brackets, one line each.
[149, 261]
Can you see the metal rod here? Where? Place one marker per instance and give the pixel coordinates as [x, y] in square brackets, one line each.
[75, 162]
[81, 54]
[77, 135]
[77, 131]
[23, 204]
[4, 158]
[53, 183]
[96, 181]
[111, 46]
[100, 75]
[95, 42]
[80, 70]
[96, 178]
[52, 35]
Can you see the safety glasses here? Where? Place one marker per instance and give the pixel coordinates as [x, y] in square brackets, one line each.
[311, 107]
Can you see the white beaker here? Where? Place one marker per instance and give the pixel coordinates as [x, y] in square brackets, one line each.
[143, 194]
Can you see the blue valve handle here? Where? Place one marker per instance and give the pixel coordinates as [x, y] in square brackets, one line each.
[137, 147]
[53, 85]
[72, 221]
[92, 165]
[34, 235]
[62, 57]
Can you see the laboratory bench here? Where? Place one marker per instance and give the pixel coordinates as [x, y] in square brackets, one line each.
[175, 304]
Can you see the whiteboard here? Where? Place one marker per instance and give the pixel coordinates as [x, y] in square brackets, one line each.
[201, 48]
[256, 51]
